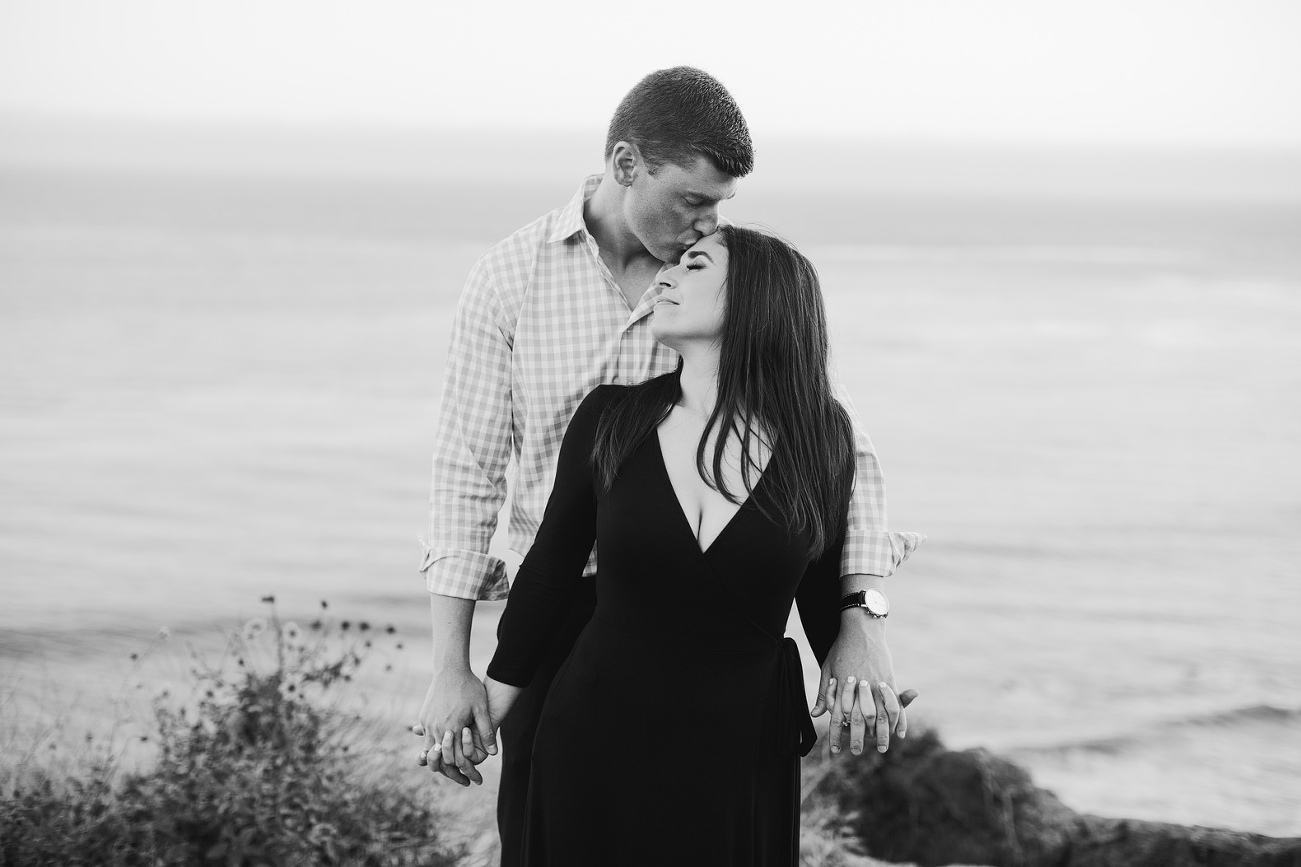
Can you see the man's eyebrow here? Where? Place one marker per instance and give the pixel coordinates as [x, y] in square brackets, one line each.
[709, 197]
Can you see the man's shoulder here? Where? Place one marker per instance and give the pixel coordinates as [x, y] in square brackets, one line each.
[517, 248]
[524, 244]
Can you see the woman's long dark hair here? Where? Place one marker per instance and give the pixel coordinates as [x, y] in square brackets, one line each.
[772, 383]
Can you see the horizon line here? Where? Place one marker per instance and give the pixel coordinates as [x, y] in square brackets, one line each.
[16, 117]
[556, 156]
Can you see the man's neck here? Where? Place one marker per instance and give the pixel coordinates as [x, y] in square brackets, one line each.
[603, 215]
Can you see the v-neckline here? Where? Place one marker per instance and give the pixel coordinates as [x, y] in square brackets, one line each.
[682, 510]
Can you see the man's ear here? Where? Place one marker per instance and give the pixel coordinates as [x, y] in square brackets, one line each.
[627, 162]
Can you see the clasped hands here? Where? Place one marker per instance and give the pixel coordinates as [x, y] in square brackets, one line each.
[866, 704]
[457, 701]
[857, 689]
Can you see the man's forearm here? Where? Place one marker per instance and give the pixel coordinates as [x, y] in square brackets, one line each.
[854, 583]
[451, 618]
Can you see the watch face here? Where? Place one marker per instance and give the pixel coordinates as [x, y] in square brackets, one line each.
[876, 603]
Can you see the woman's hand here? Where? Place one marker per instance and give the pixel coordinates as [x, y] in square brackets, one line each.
[857, 686]
[501, 698]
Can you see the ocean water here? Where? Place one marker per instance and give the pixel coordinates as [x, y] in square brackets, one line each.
[216, 388]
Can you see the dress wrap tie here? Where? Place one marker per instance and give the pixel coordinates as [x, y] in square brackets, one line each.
[799, 735]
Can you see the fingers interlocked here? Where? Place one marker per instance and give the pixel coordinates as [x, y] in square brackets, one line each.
[830, 703]
[450, 756]
[887, 714]
[431, 751]
[870, 711]
[857, 722]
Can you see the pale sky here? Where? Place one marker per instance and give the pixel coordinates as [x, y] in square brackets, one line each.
[1135, 72]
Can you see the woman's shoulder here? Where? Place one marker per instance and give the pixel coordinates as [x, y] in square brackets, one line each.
[607, 393]
[607, 397]
[597, 400]
[603, 394]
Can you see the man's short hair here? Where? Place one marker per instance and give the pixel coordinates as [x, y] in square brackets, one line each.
[675, 115]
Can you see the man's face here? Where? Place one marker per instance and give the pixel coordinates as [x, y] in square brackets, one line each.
[675, 207]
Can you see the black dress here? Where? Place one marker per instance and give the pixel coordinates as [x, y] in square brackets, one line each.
[672, 733]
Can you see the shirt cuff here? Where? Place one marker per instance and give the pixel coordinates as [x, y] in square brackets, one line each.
[880, 552]
[464, 574]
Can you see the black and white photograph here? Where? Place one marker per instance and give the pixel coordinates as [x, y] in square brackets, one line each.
[688, 435]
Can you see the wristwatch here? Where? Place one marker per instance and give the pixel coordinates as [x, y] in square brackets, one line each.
[873, 601]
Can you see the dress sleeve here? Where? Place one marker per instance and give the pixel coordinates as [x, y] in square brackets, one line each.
[818, 600]
[550, 573]
[818, 595]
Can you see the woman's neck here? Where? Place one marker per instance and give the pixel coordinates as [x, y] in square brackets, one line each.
[699, 380]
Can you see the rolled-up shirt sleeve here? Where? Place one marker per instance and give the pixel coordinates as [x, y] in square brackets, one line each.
[871, 548]
[471, 448]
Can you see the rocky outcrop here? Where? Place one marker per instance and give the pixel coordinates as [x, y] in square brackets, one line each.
[926, 804]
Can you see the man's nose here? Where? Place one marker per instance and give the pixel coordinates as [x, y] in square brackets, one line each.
[707, 224]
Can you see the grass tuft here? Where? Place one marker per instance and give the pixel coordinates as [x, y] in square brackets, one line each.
[258, 771]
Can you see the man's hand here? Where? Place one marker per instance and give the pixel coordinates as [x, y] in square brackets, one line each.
[857, 686]
[454, 723]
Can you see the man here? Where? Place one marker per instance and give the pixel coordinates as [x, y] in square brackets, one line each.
[559, 307]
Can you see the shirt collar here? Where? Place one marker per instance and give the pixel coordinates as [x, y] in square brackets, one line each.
[570, 219]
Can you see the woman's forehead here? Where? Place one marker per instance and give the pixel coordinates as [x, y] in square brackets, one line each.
[710, 246]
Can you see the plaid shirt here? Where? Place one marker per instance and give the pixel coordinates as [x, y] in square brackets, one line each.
[540, 324]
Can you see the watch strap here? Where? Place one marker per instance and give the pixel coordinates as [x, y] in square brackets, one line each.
[858, 599]
[854, 600]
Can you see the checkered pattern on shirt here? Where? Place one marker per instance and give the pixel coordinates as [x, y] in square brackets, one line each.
[540, 324]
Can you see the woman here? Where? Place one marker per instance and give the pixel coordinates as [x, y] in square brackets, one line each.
[717, 496]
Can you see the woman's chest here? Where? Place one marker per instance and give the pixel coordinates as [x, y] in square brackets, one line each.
[708, 501]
